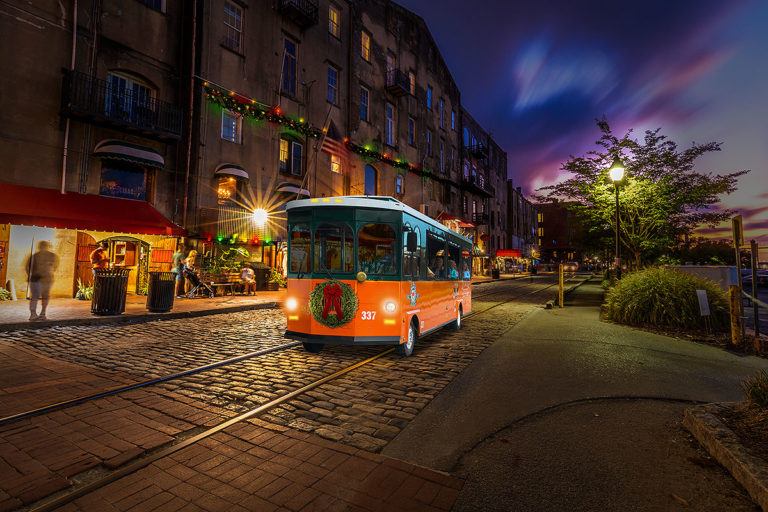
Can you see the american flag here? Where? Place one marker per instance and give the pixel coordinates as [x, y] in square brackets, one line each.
[333, 143]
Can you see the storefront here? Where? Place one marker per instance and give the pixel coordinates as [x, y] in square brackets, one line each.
[139, 237]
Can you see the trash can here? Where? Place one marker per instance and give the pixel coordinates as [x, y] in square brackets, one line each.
[495, 273]
[110, 286]
[260, 277]
[161, 291]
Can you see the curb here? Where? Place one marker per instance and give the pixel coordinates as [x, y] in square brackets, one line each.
[724, 446]
[133, 319]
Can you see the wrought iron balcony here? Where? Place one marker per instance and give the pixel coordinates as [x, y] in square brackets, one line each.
[479, 218]
[478, 150]
[398, 82]
[476, 183]
[304, 13]
[87, 97]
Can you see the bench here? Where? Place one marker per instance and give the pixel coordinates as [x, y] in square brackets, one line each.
[227, 281]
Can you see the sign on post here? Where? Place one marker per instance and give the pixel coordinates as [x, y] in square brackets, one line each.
[703, 302]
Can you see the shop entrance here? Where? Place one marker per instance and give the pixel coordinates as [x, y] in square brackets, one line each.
[124, 252]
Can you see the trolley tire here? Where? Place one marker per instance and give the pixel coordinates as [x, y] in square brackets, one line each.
[313, 348]
[456, 324]
[406, 349]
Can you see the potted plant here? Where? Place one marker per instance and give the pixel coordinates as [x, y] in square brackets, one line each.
[275, 280]
[84, 291]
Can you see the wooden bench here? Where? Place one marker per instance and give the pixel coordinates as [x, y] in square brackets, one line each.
[227, 281]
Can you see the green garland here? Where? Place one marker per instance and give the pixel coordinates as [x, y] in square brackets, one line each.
[349, 304]
[256, 111]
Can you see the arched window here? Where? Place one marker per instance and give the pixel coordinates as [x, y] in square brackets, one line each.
[371, 180]
[130, 99]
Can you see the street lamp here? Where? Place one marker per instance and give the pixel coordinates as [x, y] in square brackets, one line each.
[617, 173]
[260, 216]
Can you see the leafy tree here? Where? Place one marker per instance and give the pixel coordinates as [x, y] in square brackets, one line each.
[661, 198]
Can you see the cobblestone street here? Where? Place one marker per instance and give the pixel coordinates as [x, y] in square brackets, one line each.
[363, 410]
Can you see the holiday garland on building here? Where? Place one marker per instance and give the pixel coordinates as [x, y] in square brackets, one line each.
[333, 303]
[253, 110]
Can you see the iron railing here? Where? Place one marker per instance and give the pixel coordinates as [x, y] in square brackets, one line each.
[87, 96]
[398, 82]
[302, 12]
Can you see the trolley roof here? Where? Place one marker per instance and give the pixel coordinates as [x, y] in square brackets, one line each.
[371, 202]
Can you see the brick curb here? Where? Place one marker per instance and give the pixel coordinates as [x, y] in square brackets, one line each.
[137, 318]
[725, 447]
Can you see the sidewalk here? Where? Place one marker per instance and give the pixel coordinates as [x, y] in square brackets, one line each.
[15, 314]
[565, 412]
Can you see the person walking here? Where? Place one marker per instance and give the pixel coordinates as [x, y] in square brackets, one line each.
[41, 268]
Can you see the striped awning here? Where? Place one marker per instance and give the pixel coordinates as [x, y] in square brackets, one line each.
[287, 187]
[122, 150]
[231, 170]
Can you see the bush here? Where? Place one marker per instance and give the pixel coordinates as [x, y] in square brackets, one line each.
[756, 389]
[5, 294]
[666, 298]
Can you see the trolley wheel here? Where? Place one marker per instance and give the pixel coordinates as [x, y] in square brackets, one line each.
[313, 348]
[456, 324]
[406, 349]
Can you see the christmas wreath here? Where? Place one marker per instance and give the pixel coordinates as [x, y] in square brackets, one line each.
[333, 303]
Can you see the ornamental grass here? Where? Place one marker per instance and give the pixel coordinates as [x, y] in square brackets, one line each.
[756, 389]
[662, 297]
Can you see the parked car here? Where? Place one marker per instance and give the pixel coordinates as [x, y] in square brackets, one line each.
[746, 278]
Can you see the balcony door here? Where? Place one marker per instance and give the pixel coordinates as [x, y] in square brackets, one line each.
[129, 100]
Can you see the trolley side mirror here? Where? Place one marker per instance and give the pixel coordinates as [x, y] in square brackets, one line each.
[412, 242]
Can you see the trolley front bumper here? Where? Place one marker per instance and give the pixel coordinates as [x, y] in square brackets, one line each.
[343, 340]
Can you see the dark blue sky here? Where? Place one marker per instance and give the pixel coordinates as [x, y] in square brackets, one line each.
[537, 74]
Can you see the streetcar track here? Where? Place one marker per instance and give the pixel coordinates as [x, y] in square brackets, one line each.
[165, 452]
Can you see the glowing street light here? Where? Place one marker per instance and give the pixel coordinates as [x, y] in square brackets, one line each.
[617, 174]
[260, 216]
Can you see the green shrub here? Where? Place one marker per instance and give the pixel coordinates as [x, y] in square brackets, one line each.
[666, 298]
[5, 294]
[756, 389]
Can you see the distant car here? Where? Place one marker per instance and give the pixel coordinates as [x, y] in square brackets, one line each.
[746, 277]
[570, 266]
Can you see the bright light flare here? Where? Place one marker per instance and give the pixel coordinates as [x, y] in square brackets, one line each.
[390, 306]
[260, 216]
[291, 304]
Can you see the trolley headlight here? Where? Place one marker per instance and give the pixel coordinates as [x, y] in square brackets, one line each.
[390, 307]
[291, 304]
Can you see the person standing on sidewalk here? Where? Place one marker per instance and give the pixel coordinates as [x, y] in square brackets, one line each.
[41, 268]
[177, 263]
[100, 256]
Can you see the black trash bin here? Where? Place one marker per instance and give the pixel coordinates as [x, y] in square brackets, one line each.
[160, 295]
[109, 289]
[494, 273]
[260, 277]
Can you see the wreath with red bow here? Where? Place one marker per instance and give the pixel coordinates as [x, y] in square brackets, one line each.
[333, 303]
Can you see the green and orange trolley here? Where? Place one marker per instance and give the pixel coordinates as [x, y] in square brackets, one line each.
[370, 270]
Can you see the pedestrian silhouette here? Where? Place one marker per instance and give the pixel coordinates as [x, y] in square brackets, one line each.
[41, 268]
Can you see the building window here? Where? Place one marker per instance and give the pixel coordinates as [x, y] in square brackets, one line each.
[452, 163]
[453, 120]
[429, 143]
[364, 95]
[442, 155]
[124, 179]
[399, 184]
[411, 131]
[289, 68]
[429, 97]
[412, 82]
[391, 65]
[541, 232]
[442, 117]
[371, 178]
[365, 49]
[154, 4]
[336, 164]
[291, 156]
[464, 204]
[390, 128]
[333, 85]
[129, 99]
[333, 21]
[227, 189]
[540, 217]
[233, 23]
[231, 126]
[466, 137]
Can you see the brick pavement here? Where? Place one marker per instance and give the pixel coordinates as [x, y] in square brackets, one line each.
[253, 466]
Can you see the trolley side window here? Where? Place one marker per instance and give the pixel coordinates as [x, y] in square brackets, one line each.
[411, 253]
[299, 248]
[435, 257]
[454, 262]
[466, 265]
[376, 245]
[334, 247]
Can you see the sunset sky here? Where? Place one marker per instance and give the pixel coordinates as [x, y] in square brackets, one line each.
[537, 74]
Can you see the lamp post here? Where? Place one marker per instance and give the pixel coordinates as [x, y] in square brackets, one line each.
[617, 173]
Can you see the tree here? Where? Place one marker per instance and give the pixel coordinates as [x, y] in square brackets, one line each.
[661, 198]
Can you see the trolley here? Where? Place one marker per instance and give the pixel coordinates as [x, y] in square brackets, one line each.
[370, 270]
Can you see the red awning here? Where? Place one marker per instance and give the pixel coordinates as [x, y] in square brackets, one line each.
[509, 253]
[32, 206]
[443, 216]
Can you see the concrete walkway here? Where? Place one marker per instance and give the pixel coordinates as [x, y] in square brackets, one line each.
[566, 412]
